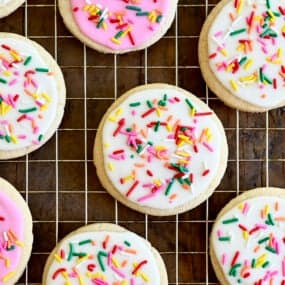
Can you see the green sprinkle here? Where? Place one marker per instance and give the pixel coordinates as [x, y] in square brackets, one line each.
[267, 79]
[161, 103]
[12, 247]
[28, 60]
[99, 256]
[157, 126]
[8, 139]
[28, 110]
[1, 137]
[128, 130]
[168, 188]
[150, 143]
[79, 254]
[180, 180]
[187, 181]
[71, 250]
[276, 14]
[100, 23]
[236, 32]
[133, 8]
[189, 103]
[269, 248]
[263, 240]
[267, 31]
[85, 241]
[135, 104]
[165, 97]
[270, 219]
[261, 75]
[142, 14]
[224, 238]
[149, 104]
[40, 137]
[265, 264]
[268, 4]
[239, 281]
[2, 80]
[253, 263]
[159, 18]
[132, 156]
[119, 34]
[243, 60]
[233, 270]
[140, 148]
[230, 221]
[127, 243]
[41, 69]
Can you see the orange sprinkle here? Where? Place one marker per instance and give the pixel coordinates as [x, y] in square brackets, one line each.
[173, 196]
[232, 16]
[137, 164]
[186, 186]
[280, 219]
[28, 92]
[144, 133]
[130, 250]
[169, 118]
[124, 263]
[276, 206]
[10, 128]
[256, 249]
[262, 214]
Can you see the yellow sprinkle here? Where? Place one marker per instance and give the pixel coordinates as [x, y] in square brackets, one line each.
[224, 52]
[57, 258]
[129, 29]
[230, 67]
[112, 119]
[81, 259]
[183, 153]
[14, 139]
[182, 161]
[15, 55]
[279, 52]
[277, 61]
[271, 14]
[115, 262]
[44, 95]
[240, 206]
[160, 148]
[240, 47]
[185, 138]
[7, 73]
[266, 209]
[8, 276]
[158, 112]
[192, 112]
[115, 41]
[110, 166]
[105, 27]
[19, 243]
[7, 262]
[248, 64]
[248, 78]
[234, 85]
[261, 260]
[245, 235]
[98, 275]
[64, 274]
[157, 182]
[44, 107]
[80, 279]
[144, 277]
[240, 6]
[181, 143]
[106, 145]
[118, 112]
[168, 127]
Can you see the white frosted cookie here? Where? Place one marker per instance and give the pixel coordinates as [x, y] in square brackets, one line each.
[16, 235]
[113, 26]
[9, 6]
[32, 96]
[247, 242]
[160, 150]
[241, 53]
[104, 254]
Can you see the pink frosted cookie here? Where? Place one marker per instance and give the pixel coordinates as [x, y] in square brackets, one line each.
[160, 150]
[241, 53]
[118, 26]
[16, 236]
[104, 254]
[9, 6]
[247, 243]
[32, 96]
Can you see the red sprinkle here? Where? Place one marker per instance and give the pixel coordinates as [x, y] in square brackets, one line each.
[235, 258]
[121, 123]
[205, 172]
[149, 173]
[139, 266]
[57, 272]
[91, 267]
[203, 114]
[148, 112]
[132, 188]
[242, 227]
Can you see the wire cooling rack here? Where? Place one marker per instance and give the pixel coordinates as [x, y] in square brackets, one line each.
[59, 180]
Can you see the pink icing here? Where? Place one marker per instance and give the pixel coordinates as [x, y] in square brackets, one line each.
[10, 219]
[142, 27]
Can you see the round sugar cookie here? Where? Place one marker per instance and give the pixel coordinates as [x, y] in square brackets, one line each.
[247, 242]
[160, 150]
[32, 96]
[241, 53]
[104, 254]
[118, 26]
[9, 6]
[16, 236]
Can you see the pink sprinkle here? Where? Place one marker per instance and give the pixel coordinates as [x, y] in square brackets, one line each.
[4, 122]
[109, 260]
[120, 273]
[117, 157]
[132, 281]
[277, 247]
[35, 142]
[261, 86]
[264, 49]
[171, 136]
[219, 233]
[261, 42]
[208, 147]
[12, 82]
[273, 40]
[245, 208]
[283, 267]
[133, 112]
[22, 137]
[219, 33]
[2, 133]
[34, 83]
[39, 103]
[98, 281]
[36, 130]
[16, 73]
[11, 101]
[172, 101]
[224, 257]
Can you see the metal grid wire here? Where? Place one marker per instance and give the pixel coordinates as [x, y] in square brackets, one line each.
[59, 180]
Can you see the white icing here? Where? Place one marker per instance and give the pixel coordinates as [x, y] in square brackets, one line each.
[252, 92]
[46, 84]
[3, 2]
[143, 252]
[246, 247]
[199, 161]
